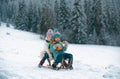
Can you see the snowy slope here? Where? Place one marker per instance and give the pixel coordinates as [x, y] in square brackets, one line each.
[19, 57]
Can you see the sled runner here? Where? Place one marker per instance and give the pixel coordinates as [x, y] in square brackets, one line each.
[57, 68]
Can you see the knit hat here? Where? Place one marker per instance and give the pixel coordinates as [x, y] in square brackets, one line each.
[56, 35]
[55, 30]
[49, 34]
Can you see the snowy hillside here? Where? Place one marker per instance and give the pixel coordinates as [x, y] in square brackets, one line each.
[19, 57]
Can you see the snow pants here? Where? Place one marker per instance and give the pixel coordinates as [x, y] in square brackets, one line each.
[46, 56]
[64, 56]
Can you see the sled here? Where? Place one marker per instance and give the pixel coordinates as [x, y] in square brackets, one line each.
[58, 68]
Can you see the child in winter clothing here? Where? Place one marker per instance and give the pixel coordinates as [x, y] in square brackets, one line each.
[58, 51]
[46, 54]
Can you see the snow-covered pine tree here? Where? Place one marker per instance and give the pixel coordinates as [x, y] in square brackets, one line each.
[39, 17]
[0, 11]
[78, 23]
[11, 11]
[46, 18]
[32, 17]
[91, 35]
[64, 16]
[93, 11]
[104, 30]
[21, 20]
[112, 21]
[57, 16]
[3, 11]
[97, 10]
[116, 3]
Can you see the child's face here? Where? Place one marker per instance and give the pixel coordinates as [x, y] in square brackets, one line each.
[57, 39]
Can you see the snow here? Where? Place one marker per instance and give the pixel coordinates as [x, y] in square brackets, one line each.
[19, 58]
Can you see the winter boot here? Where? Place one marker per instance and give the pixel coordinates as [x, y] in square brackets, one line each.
[49, 61]
[70, 62]
[54, 66]
[40, 64]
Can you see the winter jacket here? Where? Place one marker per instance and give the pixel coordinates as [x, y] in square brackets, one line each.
[55, 51]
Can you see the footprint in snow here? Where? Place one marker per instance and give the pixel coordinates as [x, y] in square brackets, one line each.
[107, 75]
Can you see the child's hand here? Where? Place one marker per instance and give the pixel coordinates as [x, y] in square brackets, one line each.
[66, 43]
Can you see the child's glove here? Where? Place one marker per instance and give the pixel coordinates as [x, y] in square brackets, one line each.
[66, 43]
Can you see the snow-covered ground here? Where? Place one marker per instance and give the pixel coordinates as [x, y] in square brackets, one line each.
[19, 58]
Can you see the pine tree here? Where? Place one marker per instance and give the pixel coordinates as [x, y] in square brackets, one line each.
[3, 11]
[39, 17]
[57, 16]
[0, 11]
[32, 17]
[112, 20]
[21, 20]
[46, 19]
[64, 16]
[91, 33]
[98, 21]
[93, 11]
[105, 21]
[78, 23]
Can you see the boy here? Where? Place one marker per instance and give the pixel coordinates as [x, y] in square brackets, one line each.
[59, 54]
